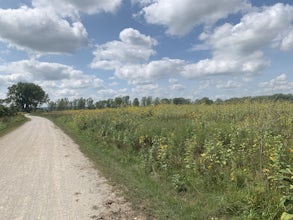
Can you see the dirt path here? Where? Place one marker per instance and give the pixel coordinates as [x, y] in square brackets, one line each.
[43, 175]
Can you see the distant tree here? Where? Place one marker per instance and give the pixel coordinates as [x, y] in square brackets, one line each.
[204, 100]
[157, 101]
[181, 101]
[90, 103]
[149, 100]
[26, 96]
[165, 101]
[144, 101]
[135, 102]
[62, 104]
[218, 101]
[125, 101]
[52, 106]
[74, 104]
[70, 105]
[110, 103]
[101, 104]
[81, 103]
[118, 102]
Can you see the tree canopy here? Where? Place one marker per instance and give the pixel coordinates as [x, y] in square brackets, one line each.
[26, 96]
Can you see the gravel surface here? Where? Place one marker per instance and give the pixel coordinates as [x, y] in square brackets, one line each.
[43, 175]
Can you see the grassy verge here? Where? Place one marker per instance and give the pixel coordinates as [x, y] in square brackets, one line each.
[148, 195]
[8, 124]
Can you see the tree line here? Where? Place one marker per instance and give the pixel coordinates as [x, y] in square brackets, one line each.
[27, 97]
[124, 101]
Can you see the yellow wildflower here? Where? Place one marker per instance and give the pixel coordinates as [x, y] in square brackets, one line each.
[141, 139]
[265, 171]
[232, 176]
[163, 147]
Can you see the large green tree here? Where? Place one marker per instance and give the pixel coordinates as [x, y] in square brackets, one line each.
[26, 96]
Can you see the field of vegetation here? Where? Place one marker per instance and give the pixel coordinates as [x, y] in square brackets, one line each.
[219, 161]
[9, 119]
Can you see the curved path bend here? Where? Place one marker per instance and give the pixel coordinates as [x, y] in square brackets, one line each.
[43, 175]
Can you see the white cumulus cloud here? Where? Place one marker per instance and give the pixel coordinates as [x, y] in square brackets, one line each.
[230, 84]
[237, 49]
[74, 7]
[132, 48]
[56, 79]
[144, 90]
[149, 72]
[287, 42]
[41, 30]
[130, 58]
[111, 93]
[280, 84]
[181, 16]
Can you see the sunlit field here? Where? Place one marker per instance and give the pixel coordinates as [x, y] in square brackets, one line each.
[225, 161]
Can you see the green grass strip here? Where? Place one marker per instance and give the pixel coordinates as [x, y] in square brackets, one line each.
[8, 124]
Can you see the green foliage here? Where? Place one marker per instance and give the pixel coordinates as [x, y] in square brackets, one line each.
[6, 111]
[26, 96]
[218, 161]
[8, 123]
[135, 102]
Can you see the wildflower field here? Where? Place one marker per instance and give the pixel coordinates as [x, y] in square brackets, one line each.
[219, 161]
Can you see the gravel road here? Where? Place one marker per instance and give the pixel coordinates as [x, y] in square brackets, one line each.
[43, 175]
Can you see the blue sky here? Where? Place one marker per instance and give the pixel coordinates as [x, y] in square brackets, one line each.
[161, 48]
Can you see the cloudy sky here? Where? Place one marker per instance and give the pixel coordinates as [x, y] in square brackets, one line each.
[161, 48]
